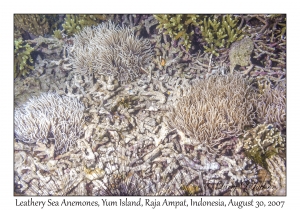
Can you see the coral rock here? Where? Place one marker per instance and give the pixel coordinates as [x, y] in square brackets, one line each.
[240, 52]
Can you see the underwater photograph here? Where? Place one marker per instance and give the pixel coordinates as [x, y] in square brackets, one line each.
[149, 105]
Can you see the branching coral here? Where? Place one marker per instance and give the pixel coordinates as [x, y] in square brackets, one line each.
[271, 107]
[110, 50]
[34, 24]
[57, 34]
[22, 58]
[214, 109]
[75, 23]
[220, 33]
[178, 26]
[262, 142]
[71, 24]
[50, 116]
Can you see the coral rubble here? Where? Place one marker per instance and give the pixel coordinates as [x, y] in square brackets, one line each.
[116, 107]
[47, 46]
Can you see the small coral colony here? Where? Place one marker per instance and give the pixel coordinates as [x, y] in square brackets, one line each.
[176, 104]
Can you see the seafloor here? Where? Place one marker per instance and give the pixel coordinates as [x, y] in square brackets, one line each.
[151, 105]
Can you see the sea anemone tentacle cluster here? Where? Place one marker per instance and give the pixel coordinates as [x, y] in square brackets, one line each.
[50, 116]
[111, 50]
